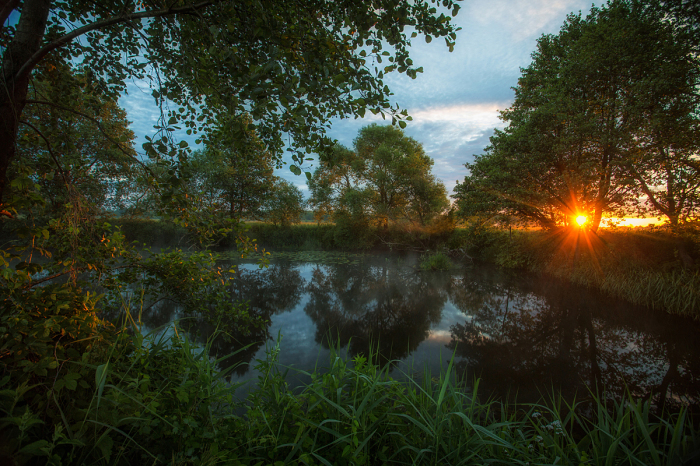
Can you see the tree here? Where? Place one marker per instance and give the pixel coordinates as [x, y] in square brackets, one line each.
[285, 205]
[585, 114]
[387, 177]
[74, 143]
[335, 176]
[235, 179]
[291, 64]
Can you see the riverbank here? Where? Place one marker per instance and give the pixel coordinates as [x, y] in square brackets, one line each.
[137, 399]
[640, 265]
[75, 390]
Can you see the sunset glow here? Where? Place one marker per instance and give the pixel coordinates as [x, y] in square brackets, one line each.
[581, 220]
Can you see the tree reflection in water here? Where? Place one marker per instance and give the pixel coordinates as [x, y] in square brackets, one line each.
[529, 334]
[267, 292]
[377, 305]
[518, 332]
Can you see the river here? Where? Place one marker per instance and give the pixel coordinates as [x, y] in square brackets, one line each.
[522, 334]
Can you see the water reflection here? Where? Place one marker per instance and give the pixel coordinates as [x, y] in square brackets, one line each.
[531, 334]
[266, 293]
[517, 332]
[380, 306]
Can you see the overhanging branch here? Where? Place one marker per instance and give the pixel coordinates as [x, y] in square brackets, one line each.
[63, 40]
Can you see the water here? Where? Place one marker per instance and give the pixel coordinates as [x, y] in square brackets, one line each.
[520, 333]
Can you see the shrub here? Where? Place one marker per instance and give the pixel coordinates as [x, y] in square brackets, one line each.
[437, 261]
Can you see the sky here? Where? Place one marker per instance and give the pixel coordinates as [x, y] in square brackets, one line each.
[455, 101]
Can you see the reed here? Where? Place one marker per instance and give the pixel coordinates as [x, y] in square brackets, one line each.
[436, 261]
[358, 414]
[164, 401]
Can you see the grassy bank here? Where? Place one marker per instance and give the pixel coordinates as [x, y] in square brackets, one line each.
[131, 399]
[74, 389]
[638, 265]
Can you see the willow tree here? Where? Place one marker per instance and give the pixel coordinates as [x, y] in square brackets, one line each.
[585, 116]
[291, 64]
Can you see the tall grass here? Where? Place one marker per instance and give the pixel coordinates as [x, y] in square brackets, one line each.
[675, 291]
[641, 267]
[165, 401]
[436, 261]
[361, 415]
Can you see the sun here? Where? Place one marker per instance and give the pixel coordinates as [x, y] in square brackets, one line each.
[581, 220]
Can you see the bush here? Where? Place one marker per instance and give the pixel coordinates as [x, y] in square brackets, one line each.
[437, 261]
[155, 233]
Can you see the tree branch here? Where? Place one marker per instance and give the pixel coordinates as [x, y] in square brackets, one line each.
[61, 41]
[53, 156]
[649, 193]
[99, 126]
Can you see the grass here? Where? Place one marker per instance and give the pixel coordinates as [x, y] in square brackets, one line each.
[360, 415]
[436, 261]
[640, 266]
[163, 400]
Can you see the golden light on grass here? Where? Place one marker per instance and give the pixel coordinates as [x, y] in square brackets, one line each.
[581, 220]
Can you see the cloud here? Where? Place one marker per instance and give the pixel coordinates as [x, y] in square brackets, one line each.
[521, 20]
[455, 101]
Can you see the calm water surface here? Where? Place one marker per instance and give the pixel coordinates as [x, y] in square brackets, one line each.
[520, 333]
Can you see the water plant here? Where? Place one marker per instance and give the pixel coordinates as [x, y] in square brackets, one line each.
[436, 261]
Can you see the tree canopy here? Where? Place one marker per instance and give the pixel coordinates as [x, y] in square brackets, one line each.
[386, 178]
[603, 107]
[234, 178]
[292, 65]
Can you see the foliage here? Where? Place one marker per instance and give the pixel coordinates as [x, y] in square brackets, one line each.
[386, 177]
[77, 140]
[360, 415]
[285, 205]
[349, 234]
[290, 66]
[607, 109]
[160, 400]
[233, 179]
[643, 267]
[109, 396]
[437, 261]
[150, 232]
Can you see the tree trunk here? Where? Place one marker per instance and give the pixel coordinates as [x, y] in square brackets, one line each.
[27, 41]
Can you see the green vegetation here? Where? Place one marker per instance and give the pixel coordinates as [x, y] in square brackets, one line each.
[437, 261]
[248, 79]
[234, 180]
[128, 398]
[604, 122]
[386, 179]
[641, 266]
[346, 236]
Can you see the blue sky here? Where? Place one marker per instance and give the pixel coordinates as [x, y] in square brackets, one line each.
[455, 102]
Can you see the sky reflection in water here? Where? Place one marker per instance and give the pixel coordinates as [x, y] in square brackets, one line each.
[519, 332]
